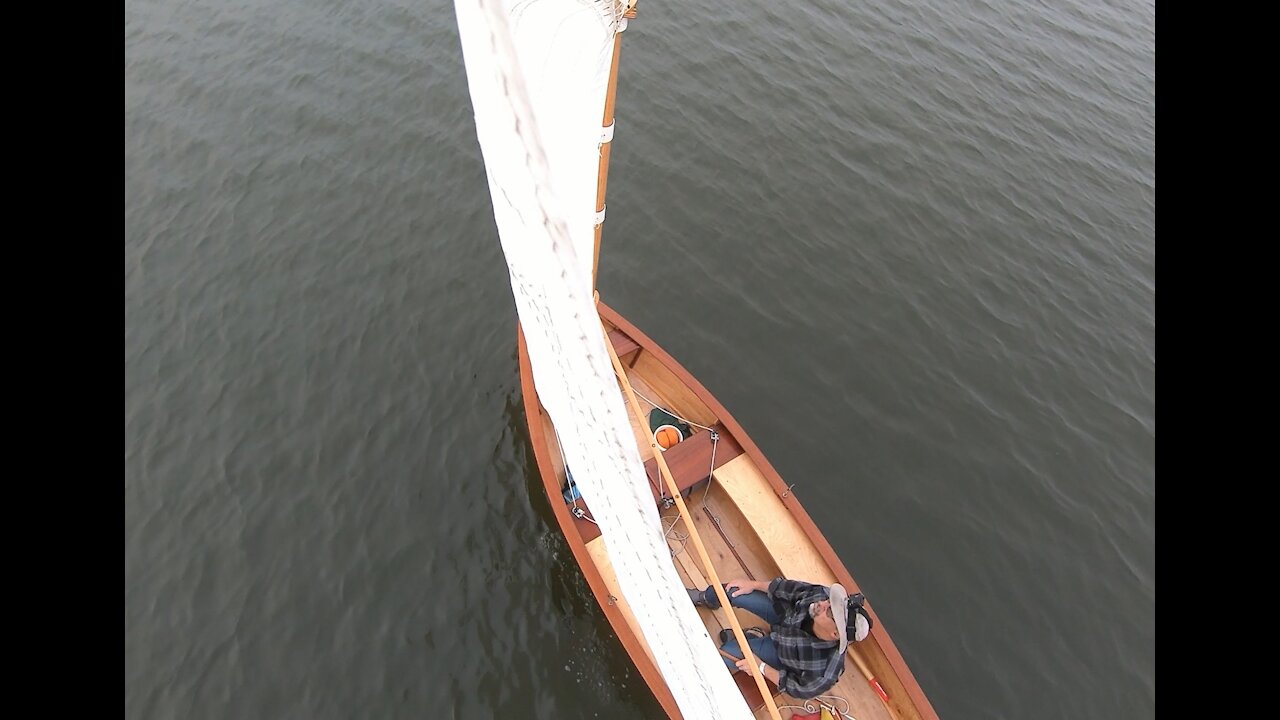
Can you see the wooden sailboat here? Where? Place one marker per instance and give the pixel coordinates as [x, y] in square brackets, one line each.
[750, 522]
[724, 511]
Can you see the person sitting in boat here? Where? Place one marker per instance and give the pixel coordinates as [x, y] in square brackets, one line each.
[809, 628]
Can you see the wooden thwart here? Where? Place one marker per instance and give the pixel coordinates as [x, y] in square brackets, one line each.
[690, 460]
[787, 543]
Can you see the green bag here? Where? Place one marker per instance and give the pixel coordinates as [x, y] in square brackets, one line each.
[659, 418]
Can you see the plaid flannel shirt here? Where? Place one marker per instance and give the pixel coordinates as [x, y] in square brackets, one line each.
[810, 665]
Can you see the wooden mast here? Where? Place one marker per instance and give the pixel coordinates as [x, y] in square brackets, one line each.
[602, 175]
[602, 180]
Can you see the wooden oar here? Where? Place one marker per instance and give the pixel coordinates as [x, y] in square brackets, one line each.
[693, 531]
[870, 676]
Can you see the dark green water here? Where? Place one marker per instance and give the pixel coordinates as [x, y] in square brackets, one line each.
[910, 247]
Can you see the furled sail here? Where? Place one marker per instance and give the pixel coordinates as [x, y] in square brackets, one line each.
[538, 73]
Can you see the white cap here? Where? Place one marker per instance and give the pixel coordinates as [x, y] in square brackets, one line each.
[840, 611]
[860, 627]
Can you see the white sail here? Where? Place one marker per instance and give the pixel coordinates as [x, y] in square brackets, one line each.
[538, 74]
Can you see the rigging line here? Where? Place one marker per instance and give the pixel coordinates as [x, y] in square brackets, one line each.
[671, 533]
[582, 515]
[715, 440]
[823, 701]
[658, 484]
[682, 419]
[573, 494]
[715, 437]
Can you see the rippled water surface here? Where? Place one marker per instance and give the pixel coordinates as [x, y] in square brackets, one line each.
[910, 246]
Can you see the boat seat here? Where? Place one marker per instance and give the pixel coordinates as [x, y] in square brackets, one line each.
[690, 460]
[779, 532]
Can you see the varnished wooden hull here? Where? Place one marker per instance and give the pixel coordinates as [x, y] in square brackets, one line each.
[752, 524]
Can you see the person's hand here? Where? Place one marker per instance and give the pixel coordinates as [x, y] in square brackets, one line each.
[745, 666]
[731, 587]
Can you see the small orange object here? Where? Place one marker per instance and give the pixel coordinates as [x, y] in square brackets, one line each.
[667, 436]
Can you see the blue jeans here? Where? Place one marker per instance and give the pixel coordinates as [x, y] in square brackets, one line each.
[756, 603]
